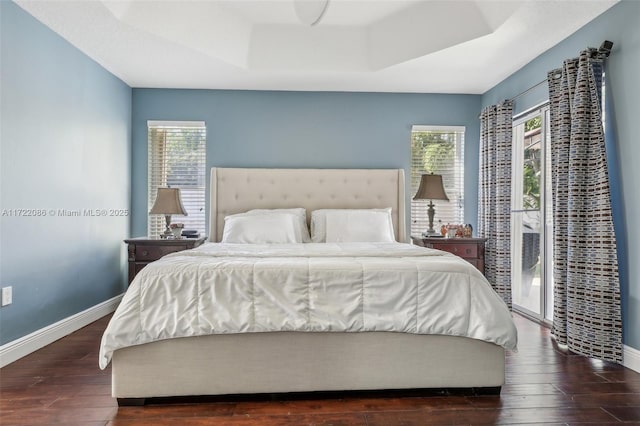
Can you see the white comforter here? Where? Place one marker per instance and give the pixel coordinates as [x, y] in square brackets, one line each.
[238, 288]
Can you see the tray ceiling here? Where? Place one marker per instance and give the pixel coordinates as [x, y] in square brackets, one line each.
[428, 46]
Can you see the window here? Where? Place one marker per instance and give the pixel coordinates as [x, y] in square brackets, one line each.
[177, 160]
[438, 150]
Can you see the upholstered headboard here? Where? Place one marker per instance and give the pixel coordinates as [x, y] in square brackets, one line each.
[238, 190]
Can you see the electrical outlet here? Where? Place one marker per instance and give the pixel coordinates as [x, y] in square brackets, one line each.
[7, 296]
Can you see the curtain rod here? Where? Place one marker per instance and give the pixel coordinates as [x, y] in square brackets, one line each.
[604, 49]
[524, 92]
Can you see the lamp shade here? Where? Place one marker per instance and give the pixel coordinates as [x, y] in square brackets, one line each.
[168, 202]
[431, 188]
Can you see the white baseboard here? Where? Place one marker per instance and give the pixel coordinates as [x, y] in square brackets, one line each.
[30, 343]
[631, 358]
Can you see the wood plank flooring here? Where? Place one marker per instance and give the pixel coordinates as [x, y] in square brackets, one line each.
[61, 384]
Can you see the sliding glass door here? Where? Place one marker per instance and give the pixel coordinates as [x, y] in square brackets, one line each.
[531, 218]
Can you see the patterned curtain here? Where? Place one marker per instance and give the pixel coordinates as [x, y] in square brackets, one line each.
[494, 195]
[586, 314]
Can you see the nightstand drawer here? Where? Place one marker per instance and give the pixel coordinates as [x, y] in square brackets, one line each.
[462, 250]
[155, 252]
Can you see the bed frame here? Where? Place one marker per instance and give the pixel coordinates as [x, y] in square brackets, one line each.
[303, 362]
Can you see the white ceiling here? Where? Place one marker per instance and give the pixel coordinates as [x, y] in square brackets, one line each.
[426, 46]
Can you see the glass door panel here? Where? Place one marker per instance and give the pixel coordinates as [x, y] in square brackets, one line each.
[525, 215]
[530, 225]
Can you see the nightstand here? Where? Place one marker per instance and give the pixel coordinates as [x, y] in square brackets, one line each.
[470, 249]
[144, 250]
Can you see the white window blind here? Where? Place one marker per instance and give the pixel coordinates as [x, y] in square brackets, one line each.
[438, 150]
[177, 160]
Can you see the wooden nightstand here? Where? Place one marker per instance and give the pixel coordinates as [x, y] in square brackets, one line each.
[144, 250]
[470, 249]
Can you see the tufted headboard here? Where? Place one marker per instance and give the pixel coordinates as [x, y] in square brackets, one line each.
[238, 190]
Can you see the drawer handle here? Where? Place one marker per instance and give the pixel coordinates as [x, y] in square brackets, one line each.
[455, 249]
[145, 253]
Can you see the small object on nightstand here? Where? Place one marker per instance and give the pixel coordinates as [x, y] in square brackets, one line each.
[426, 235]
[190, 233]
[452, 231]
[144, 250]
[176, 229]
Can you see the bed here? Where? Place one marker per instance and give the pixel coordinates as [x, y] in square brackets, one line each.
[287, 359]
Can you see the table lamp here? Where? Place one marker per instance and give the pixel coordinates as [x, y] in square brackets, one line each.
[168, 202]
[431, 188]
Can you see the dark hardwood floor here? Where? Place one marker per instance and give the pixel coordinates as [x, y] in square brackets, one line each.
[62, 384]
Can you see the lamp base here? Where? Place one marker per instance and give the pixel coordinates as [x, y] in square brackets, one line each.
[167, 232]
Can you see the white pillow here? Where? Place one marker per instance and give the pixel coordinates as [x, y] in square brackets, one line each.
[300, 214]
[260, 229]
[352, 225]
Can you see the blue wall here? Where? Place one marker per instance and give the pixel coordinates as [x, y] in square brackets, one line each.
[65, 144]
[303, 129]
[619, 24]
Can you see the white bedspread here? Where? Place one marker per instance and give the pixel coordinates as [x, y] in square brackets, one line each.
[344, 287]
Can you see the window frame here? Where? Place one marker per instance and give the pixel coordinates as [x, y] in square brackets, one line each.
[194, 200]
[418, 209]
